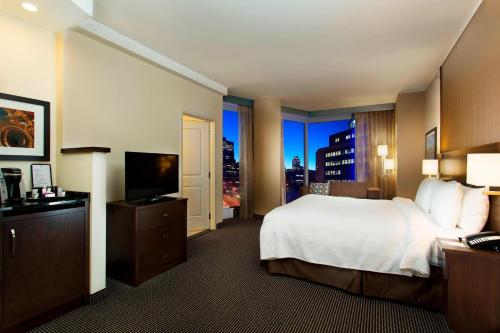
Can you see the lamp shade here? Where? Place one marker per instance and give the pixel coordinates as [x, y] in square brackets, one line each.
[483, 169]
[430, 167]
[382, 150]
[389, 164]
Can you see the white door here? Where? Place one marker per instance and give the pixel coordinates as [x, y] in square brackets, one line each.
[195, 168]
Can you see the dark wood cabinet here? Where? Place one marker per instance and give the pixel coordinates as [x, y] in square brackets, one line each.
[471, 289]
[145, 240]
[44, 263]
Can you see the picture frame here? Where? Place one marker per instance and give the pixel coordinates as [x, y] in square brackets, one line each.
[24, 129]
[431, 144]
[41, 175]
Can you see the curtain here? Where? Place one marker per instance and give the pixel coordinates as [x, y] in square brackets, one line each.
[373, 129]
[245, 129]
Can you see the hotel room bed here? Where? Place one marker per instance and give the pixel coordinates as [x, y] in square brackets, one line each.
[355, 243]
[377, 248]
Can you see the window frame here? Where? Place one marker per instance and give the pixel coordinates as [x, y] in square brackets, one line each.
[307, 121]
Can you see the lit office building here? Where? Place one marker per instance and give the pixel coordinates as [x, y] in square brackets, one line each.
[337, 161]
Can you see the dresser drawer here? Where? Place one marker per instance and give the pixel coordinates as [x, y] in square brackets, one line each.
[157, 217]
[168, 235]
[157, 260]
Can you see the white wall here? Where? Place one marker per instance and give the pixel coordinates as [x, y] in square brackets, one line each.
[113, 99]
[86, 172]
[27, 68]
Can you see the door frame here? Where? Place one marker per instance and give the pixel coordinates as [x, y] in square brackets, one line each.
[211, 163]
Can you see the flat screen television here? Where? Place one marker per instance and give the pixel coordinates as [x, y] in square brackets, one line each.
[148, 176]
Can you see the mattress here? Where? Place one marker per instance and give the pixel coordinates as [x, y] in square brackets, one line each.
[384, 236]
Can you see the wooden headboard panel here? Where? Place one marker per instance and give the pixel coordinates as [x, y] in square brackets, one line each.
[453, 165]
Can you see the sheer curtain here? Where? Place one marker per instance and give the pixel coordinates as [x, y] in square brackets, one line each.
[245, 128]
[372, 129]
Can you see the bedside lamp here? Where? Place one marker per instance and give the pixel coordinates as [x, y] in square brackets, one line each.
[382, 150]
[430, 168]
[484, 170]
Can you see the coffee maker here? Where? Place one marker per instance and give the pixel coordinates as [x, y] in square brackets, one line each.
[12, 188]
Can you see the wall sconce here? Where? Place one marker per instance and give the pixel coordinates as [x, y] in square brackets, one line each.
[484, 170]
[382, 150]
[389, 164]
[430, 168]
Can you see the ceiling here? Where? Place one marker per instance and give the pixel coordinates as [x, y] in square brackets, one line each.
[313, 55]
[54, 15]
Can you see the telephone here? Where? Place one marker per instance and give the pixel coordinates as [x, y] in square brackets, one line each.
[486, 240]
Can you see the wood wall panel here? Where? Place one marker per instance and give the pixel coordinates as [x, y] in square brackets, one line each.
[470, 83]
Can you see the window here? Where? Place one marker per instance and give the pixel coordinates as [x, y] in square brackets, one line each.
[230, 164]
[293, 141]
[331, 151]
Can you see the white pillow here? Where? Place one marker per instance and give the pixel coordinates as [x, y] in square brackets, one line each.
[423, 198]
[475, 210]
[446, 203]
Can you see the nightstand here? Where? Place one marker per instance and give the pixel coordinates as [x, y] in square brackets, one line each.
[471, 287]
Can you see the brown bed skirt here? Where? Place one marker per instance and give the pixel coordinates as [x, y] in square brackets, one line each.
[425, 292]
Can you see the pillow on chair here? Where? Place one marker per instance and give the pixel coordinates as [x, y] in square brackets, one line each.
[319, 188]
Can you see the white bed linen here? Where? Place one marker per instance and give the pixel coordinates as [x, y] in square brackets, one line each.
[386, 236]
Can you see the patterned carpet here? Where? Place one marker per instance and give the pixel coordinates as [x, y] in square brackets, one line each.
[223, 288]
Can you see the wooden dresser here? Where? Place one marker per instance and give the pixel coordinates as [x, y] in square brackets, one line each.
[145, 240]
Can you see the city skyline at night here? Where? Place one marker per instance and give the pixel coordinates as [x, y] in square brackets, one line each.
[319, 133]
[230, 130]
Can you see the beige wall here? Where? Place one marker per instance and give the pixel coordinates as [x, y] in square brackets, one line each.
[267, 154]
[432, 109]
[27, 68]
[115, 100]
[410, 142]
[470, 82]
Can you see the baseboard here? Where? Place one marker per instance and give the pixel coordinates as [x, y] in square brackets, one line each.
[199, 234]
[97, 297]
[221, 224]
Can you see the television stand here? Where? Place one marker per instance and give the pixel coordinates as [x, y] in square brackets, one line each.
[145, 240]
[151, 200]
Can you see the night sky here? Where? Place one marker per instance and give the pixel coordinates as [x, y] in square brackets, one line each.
[230, 130]
[318, 138]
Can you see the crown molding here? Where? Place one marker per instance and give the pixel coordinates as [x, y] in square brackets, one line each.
[109, 35]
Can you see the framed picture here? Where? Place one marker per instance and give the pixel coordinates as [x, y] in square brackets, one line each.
[41, 175]
[431, 144]
[24, 129]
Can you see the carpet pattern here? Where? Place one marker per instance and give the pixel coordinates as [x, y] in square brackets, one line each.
[223, 288]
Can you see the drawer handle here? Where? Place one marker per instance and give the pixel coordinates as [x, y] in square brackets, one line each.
[13, 242]
[164, 215]
[165, 256]
[164, 236]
